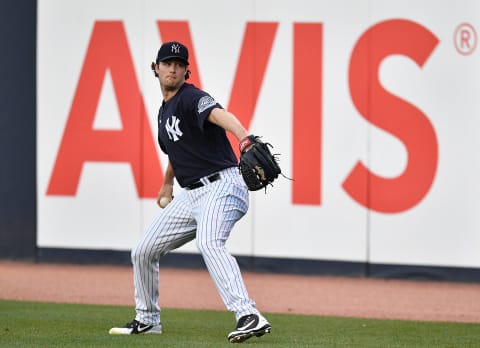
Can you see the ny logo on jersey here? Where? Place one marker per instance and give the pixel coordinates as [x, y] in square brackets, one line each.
[173, 131]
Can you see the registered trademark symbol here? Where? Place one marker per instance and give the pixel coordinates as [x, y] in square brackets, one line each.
[465, 39]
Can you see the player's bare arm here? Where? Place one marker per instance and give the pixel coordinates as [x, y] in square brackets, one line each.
[229, 122]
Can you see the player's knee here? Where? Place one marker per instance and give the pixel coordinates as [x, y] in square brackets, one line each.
[136, 255]
[206, 247]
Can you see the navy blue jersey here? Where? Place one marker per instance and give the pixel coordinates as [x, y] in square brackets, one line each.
[195, 147]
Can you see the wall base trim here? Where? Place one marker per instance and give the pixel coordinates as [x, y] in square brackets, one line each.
[271, 265]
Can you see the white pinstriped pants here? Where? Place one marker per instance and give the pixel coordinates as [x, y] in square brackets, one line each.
[208, 214]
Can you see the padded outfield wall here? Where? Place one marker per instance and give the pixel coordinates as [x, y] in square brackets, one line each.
[17, 129]
[372, 105]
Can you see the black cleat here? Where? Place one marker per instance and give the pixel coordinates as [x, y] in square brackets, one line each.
[248, 326]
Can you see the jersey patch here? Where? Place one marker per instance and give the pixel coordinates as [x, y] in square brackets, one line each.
[205, 102]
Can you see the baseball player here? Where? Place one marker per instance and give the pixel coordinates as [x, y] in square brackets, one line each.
[192, 132]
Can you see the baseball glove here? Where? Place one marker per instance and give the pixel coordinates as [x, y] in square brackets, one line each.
[258, 166]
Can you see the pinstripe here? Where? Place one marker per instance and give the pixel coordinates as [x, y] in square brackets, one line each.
[208, 213]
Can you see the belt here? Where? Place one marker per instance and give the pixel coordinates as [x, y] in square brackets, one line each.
[200, 183]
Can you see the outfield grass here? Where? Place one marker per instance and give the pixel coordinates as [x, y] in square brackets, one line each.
[32, 324]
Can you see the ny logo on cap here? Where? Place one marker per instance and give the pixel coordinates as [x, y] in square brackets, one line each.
[175, 48]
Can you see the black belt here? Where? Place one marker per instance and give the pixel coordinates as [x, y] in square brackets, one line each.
[197, 184]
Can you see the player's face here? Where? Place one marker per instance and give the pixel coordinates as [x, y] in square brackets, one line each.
[171, 74]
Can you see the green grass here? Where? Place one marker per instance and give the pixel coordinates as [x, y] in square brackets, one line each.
[32, 324]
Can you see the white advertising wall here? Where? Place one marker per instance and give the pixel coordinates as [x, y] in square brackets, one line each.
[372, 105]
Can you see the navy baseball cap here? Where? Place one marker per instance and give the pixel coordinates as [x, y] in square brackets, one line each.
[173, 50]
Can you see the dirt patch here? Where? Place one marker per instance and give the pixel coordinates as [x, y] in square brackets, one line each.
[336, 296]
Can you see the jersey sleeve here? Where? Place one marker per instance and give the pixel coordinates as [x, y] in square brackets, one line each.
[162, 146]
[160, 142]
[203, 104]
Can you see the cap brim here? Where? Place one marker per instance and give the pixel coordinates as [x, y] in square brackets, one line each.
[174, 58]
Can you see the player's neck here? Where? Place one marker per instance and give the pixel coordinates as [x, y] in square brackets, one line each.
[169, 93]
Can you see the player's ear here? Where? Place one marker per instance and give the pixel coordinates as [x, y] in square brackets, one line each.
[187, 74]
[153, 69]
